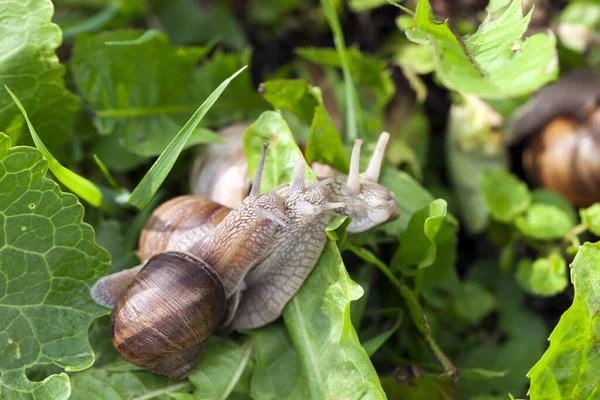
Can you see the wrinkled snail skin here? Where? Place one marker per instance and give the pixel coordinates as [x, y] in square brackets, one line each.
[295, 252]
[163, 320]
[560, 127]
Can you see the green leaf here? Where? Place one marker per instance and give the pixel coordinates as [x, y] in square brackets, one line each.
[297, 96]
[566, 370]
[48, 262]
[318, 320]
[132, 99]
[493, 62]
[544, 277]
[591, 217]
[318, 317]
[283, 152]
[224, 366]
[275, 356]
[293, 95]
[544, 222]
[324, 142]
[546, 196]
[111, 384]
[417, 244]
[150, 183]
[410, 196]
[31, 69]
[110, 237]
[473, 303]
[82, 187]
[504, 194]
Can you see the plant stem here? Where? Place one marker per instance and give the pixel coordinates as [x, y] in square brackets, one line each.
[340, 46]
[414, 308]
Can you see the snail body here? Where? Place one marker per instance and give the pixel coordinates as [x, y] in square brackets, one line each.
[261, 251]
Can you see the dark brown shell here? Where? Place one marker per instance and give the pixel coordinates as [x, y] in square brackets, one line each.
[565, 158]
[168, 312]
[177, 216]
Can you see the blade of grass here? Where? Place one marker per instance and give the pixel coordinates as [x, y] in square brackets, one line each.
[143, 38]
[340, 46]
[414, 308]
[107, 175]
[150, 183]
[79, 185]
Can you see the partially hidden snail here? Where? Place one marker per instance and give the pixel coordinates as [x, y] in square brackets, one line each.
[206, 266]
[560, 130]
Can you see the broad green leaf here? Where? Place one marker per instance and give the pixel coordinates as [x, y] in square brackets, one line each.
[546, 196]
[48, 262]
[495, 61]
[224, 367]
[567, 368]
[318, 320]
[417, 244]
[293, 95]
[107, 383]
[543, 277]
[150, 183]
[324, 142]
[32, 70]
[133, 100]
[82, 187]
[275, 356]
[591, 217]
[318, 317]
[504, 194]
[544, 222]
[282, 155]
[473, 302]
[410, 196]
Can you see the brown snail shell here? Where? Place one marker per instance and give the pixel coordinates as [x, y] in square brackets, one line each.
[178, 221]
[560, 128]
[565, 158]
[174, 289]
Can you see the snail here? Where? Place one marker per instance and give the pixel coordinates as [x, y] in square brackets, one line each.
[560, 130]
[260, 252]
